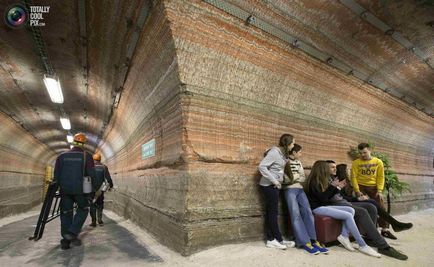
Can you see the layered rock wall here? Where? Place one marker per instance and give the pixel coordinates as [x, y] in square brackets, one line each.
[215, 93]
[150, 191]
[245, 88]
[22, 168]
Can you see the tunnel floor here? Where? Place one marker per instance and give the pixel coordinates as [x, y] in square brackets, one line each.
[110, 243]
[122, 243]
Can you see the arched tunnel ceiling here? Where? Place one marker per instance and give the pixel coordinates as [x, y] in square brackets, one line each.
[88, 61]
[398, 59]
[90, 82]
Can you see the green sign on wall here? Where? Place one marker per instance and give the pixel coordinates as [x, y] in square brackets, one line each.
[148, 149]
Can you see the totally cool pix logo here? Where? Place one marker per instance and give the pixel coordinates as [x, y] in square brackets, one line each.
[17, 16]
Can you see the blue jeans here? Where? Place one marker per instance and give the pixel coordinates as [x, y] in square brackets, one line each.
[346, 215]
[302, 220]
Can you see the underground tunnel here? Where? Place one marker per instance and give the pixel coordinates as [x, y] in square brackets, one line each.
[183, 97]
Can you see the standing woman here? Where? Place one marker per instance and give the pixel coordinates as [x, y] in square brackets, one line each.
[320, 192]
[271, 168]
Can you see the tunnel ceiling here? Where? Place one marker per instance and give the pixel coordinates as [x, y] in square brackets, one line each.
[91, 60]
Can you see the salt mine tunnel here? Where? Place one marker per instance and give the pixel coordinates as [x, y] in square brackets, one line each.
[182, 97]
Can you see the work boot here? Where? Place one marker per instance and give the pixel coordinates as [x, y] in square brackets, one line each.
[72, 239]
[391, 252]
[64, 244]
[76, 242]
[99, 215]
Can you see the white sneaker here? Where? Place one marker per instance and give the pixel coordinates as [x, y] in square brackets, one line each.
[369, 251]
[288, 244]
[275, 244]
[345, 241]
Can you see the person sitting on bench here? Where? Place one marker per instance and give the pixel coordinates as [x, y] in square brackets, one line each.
[342, 173]
[320, 192]
[365, 216]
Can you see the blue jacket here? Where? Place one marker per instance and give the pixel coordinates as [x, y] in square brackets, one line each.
[68, 171]
[101, 174]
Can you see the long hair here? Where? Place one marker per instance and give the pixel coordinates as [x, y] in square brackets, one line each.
[285, 140]
[288, 171]
[318, 175]
[341, 172]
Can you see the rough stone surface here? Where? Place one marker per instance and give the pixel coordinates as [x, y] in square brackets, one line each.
[150, 191]
[215, 94]
[246, 89]
[22, 168]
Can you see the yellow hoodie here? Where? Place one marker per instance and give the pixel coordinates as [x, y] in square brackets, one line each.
[367, 173]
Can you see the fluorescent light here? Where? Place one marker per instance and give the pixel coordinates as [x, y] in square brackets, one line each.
[54, 89]
[66, 124]
[69, 138]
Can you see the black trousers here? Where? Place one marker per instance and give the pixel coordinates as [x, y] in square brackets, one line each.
[366, 218]
[99, 204]
[70, 222]
[271, 195]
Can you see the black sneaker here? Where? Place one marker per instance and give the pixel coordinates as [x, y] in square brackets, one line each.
[401, 226]
[393, 253]
[388, 234]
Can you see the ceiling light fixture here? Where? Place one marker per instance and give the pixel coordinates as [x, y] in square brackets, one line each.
[66, 124]
[54, 90]
[69, 138]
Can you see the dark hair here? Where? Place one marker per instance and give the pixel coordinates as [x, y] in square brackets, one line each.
[330, 161]
[318, 176]
[285, 140]
[296, 148]
[362, 146]
[288, 171]
[341, 172]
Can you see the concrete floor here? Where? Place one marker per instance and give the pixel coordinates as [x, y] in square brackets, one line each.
[121, 243]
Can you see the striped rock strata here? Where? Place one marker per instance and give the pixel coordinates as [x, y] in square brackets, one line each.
[215, 93]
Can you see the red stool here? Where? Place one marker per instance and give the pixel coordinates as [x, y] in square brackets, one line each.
[327, 228]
